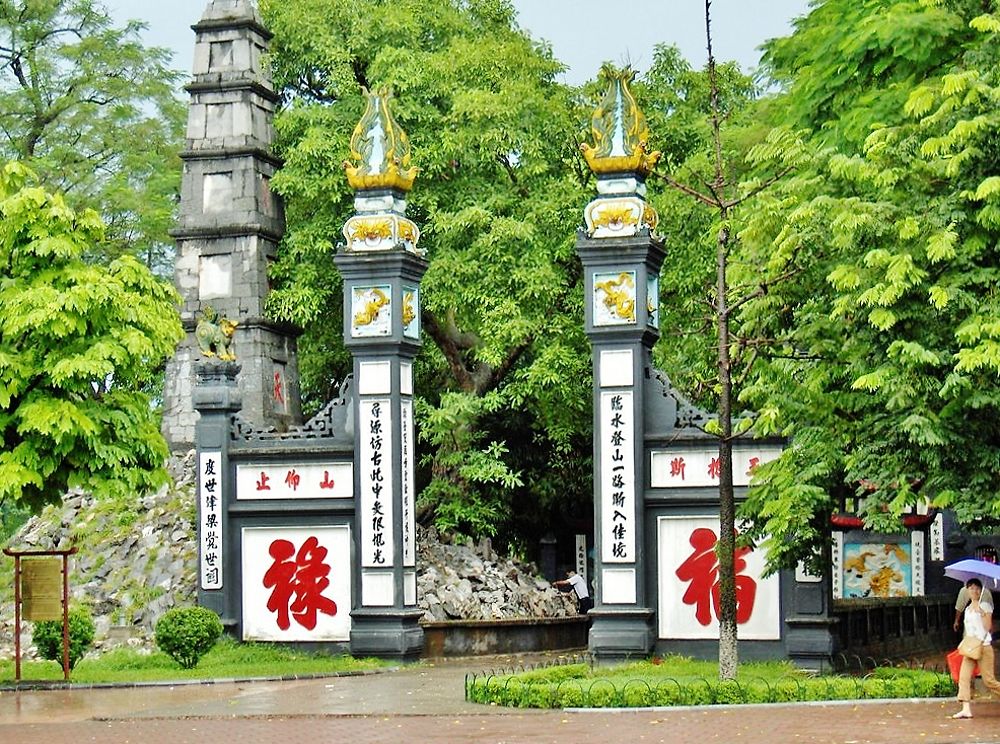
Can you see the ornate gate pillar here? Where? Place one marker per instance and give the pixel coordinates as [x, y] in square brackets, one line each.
[621, 260]
[382, 268]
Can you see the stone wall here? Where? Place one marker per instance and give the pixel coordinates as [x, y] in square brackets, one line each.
[138, 560]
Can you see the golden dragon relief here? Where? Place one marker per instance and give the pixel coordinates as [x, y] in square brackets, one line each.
[617, 298]
[372, 308]
[409, 313]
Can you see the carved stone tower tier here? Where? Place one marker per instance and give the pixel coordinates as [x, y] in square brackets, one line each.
[621, 260]
[230, 223]
[382, 267]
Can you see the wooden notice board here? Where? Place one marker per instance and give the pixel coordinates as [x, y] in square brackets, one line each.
[41, 588]
[41, 592]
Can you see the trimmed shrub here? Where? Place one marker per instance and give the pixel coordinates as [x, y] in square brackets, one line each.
[186, 634]
[559, 688]
[47, 636]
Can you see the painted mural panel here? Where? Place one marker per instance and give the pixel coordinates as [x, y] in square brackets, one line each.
[877, 569]
[297, 583]
[688, 579]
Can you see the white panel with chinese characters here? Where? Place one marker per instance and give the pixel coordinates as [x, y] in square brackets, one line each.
[375, 460]
[210, 495]
[688, 577]
[329, 480]
[690, 468]
[618, 524]
[407, 481]
[297, 583]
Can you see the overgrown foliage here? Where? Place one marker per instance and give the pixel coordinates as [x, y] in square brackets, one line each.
[78, 345]
[47, 635]
[505, 370]
[186, 634]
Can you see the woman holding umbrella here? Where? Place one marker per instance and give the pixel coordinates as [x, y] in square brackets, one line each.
[978, 621]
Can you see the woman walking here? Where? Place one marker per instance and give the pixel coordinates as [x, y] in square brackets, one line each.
[978, 623]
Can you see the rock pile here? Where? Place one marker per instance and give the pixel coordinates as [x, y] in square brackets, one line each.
[472, 582]
[138, 560]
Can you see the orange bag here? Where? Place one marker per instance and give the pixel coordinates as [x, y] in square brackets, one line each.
[955, 664]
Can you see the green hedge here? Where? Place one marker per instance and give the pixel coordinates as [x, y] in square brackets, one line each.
[573, 687]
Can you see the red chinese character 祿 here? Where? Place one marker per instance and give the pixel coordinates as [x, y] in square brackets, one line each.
[701, 571]
[304, 578]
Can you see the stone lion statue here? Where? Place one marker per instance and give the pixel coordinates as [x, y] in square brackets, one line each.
[215, 335]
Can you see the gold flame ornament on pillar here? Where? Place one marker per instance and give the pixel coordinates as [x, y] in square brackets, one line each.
[380, 173]
[621, 160]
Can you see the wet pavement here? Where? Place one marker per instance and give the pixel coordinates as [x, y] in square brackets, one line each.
[426, 703]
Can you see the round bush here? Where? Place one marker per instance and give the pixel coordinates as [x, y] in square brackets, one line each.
[186, 634]
[48, 636]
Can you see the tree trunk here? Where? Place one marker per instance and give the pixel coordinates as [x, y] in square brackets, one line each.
[726, 549]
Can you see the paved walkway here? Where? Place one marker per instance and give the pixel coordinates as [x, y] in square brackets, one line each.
[426, 704]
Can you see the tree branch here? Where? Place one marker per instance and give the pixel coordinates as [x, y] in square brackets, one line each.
[690, 191]
[769, 182]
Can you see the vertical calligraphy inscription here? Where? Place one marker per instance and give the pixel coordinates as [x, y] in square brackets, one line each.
[409, 507]
[375, 462]
[617, 478]
[210, 495]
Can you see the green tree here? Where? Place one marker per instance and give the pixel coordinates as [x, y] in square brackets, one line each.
[78, 343]
[705, 118]
[500, 192]
[94, 113]
[887, 349]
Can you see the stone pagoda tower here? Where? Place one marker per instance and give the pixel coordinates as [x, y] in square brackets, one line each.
[621, 260]
[230, 223]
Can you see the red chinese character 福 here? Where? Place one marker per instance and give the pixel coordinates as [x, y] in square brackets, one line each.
[714, 468]
[303, 577]
[701, 571]
[677, 467]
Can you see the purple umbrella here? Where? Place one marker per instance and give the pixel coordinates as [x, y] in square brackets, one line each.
[973, 568]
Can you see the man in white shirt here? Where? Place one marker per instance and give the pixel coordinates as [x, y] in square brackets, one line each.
[577, 583]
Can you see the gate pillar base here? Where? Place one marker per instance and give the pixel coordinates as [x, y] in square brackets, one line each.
[387, 633]
[620, 634]
[810, 641]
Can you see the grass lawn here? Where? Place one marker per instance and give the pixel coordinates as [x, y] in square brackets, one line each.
[227, 660]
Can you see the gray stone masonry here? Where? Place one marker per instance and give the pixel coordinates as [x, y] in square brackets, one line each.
[230, 223]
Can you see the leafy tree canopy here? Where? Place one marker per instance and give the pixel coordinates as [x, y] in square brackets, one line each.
[94, 113]
[77, 344]
[499, 196]
[882, 358]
